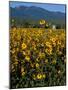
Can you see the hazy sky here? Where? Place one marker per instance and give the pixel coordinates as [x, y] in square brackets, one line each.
[50, 7]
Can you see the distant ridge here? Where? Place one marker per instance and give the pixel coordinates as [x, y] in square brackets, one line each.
[35, 14]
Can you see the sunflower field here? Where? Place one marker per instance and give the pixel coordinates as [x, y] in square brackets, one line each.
[37, 57]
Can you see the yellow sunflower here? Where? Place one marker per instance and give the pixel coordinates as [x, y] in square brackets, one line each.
[39, 76]
[24, 46]
[27, 58]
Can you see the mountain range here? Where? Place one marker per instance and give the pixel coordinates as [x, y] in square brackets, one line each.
[33, 14]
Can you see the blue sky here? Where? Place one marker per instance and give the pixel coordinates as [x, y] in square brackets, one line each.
[50, 7]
